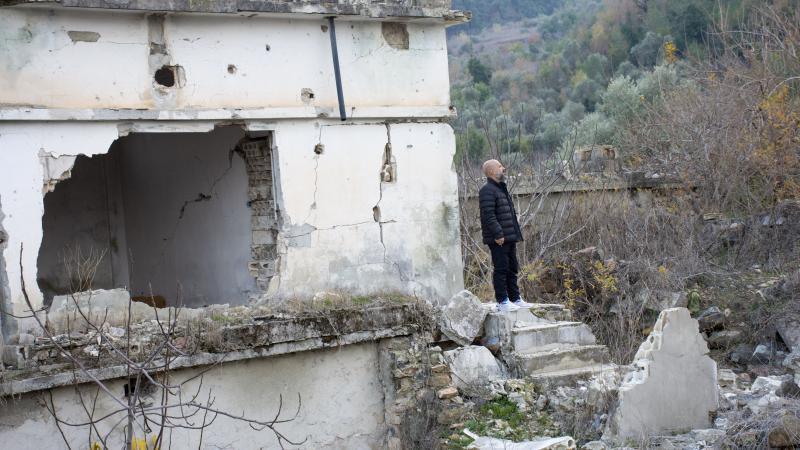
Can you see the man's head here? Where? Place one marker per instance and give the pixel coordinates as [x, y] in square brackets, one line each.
[494, 170]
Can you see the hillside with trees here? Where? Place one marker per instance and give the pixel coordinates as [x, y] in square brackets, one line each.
[540, 76]
[703, 93]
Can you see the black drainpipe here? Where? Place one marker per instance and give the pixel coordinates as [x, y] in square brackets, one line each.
[335, 52]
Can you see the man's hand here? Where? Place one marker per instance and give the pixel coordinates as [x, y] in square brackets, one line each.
[500, 241]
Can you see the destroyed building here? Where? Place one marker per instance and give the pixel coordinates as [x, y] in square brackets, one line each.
[223, 153]
[203, 145]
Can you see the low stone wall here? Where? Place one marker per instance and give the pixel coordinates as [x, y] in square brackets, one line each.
[344, 379]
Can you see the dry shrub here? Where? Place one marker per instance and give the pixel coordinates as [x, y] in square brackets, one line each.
[731, 136]
[734, 133]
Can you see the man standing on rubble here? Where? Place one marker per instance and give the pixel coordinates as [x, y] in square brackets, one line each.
[501, 232]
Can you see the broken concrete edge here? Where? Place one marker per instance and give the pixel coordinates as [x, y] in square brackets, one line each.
[70, 376]
[388, 9]
[8, 325]
[12, 112]
[673, 369]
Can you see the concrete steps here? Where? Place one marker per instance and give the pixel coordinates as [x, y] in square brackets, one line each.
[560, 358]
[570, 377]
[544, 343]
[530, 338]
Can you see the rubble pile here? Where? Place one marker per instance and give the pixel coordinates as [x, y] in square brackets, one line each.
[672, 396]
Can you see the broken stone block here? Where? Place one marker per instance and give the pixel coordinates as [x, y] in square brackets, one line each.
[789, 331]
[741, 354]
[724, 338]
[762, 354]
[488, 443]
[711, 319]
[660, 300]
[462, 317]
[67, 312]
[788, 389]
[674, 385]
[792, 361]
[16, 356]
[473, 367]
[710, 436]
[767, 385]
[726, 377]
[448, 392]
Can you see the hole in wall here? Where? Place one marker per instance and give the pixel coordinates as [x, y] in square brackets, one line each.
[232, 69]
[395, 34]
[376, 213]
[166, 76]
[324, 28]
[306, 95]
[159, 210]
[267, 47]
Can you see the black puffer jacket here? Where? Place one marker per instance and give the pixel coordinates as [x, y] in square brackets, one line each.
[498, 216]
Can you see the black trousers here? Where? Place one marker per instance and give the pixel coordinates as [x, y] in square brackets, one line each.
[506, 269]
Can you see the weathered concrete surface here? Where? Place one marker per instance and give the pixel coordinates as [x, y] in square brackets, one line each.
[53, 110]
[334, 414]
[246, 336]
[40, 71]
[473, 367]
[488, 443]
[69, 313]
[674, 385]
[462, 317]
[432, 9]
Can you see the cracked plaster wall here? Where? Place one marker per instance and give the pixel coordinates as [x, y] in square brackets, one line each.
[329, 235]
[45, 68]
[334, 414]
[187, 218]
[331, 239]
[22, 180]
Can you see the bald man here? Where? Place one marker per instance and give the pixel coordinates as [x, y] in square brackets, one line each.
[501, 232]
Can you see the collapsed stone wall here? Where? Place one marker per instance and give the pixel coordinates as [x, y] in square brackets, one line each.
[420, 394]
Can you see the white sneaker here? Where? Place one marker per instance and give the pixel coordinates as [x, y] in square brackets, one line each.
[522, 304]
[506, 306]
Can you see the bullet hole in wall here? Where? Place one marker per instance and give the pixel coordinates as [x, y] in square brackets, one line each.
[231, 69]
[306, 95]
[268, 47]
[319, 149]
[324, 28]
[165, 76]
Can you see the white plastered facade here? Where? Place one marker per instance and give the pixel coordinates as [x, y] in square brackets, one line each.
[64, 94]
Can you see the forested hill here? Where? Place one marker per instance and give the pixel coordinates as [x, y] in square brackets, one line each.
[557, 70]
[488, 12]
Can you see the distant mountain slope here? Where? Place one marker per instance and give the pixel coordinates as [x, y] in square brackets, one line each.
[488, 12]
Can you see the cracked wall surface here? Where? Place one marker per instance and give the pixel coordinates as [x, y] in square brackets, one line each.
[117, 70]
[350, 218]
[332, 238]
[334, 414]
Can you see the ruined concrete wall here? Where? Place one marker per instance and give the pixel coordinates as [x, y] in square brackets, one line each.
[343, 228]
[334, 414]
[23, 176]
[77, 223]
[187, 216]
[76, 80]
[92, 59]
